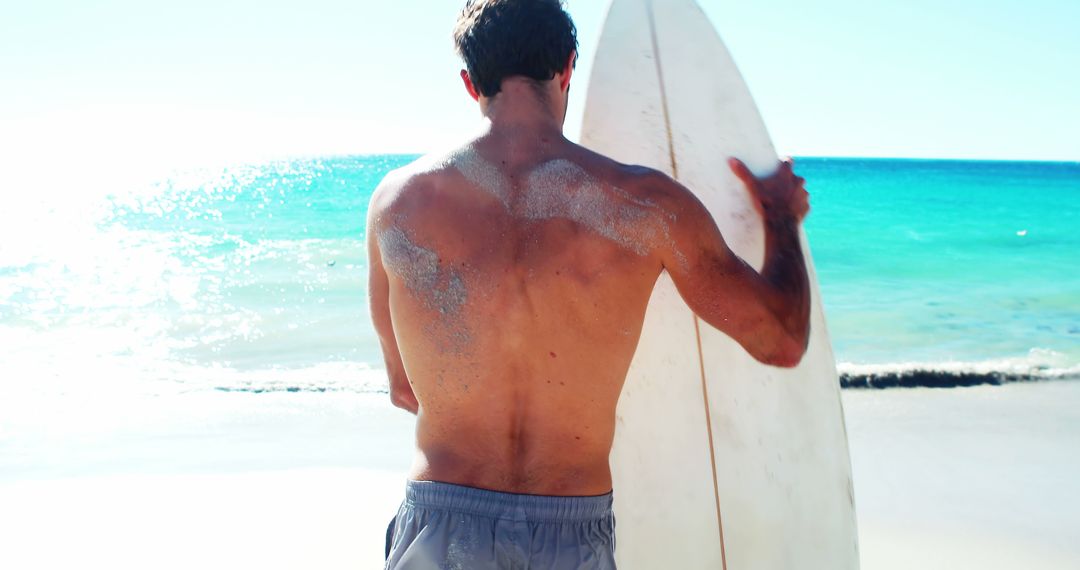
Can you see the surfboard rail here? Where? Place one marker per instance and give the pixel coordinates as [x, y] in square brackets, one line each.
[719, 461]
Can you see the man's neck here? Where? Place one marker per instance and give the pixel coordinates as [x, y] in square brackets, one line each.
[520, 109]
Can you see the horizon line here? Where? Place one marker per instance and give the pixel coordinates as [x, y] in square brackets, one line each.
[299, 156]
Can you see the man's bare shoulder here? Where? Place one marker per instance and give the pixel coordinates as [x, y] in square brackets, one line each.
[643, 183]
[405, 185]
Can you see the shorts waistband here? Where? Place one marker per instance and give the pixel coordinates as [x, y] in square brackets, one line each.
[509, 506]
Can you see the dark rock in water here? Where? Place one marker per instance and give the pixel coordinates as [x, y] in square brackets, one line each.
[331, 263]
[931, 379]
[1074, 330]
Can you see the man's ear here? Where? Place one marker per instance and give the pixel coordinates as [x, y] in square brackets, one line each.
[469, 85]
[568, 71]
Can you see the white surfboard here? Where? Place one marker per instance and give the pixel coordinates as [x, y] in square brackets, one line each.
[719, 461]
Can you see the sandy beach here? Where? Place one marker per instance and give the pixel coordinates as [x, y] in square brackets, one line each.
[965, 478]
[979, 477]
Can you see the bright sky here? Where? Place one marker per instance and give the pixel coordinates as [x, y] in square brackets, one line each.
[210, 78]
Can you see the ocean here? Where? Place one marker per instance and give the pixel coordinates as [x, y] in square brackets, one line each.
[252, 277]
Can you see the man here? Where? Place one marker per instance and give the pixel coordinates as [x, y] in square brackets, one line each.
[509, 281]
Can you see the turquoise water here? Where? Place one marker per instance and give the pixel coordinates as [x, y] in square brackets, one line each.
[935, 261]
[253, 276]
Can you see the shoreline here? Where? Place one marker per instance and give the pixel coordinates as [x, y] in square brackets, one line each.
[929, 378]
[878, 380]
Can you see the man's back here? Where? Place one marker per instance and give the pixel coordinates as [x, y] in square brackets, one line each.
[518, 278]
[508, 284]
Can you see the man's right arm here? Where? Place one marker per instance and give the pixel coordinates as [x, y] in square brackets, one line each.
[768, 313]
[401, 392]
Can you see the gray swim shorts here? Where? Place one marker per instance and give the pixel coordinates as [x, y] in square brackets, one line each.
[449, 527]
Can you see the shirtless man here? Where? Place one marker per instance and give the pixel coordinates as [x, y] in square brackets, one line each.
[509, 280]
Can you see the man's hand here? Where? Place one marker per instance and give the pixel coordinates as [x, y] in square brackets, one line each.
[402, 396]
[768, 313]
[779, 197]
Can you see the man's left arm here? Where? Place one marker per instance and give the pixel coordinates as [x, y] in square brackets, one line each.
[401, 392]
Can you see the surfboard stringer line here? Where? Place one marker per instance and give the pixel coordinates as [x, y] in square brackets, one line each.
[697, 321]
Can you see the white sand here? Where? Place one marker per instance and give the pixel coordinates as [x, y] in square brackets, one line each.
[972, 478]
[982, 478]
[210, 480]
[285, 519]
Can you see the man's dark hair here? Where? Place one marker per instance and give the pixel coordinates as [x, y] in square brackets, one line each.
[503, 38]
